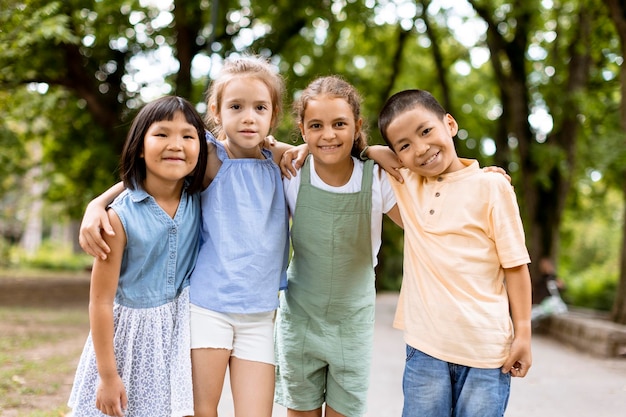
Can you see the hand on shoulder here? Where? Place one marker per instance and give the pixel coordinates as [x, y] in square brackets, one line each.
[498, 170]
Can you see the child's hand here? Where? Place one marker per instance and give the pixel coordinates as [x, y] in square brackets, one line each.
[111, 397]
[297, 153]
[520, 359]
[498, 170]
[387, 159]
[95, 221]
[269, 142]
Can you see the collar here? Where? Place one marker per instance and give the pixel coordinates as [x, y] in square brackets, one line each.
[138, 194]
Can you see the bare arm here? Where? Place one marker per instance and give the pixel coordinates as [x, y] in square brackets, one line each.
[297, 153]
[111, 396]
[386, 158]
[277, 148]
[519, 290]
[394, 215]
[95, 220]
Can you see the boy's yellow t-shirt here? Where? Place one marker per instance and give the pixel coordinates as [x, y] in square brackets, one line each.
[460, 230]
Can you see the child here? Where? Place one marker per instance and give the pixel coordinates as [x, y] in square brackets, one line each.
[465, 301]
[136, 359]
[244, 253]
[325, 325]
[549, 284]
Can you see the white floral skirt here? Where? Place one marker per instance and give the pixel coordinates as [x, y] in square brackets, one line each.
[153, 357]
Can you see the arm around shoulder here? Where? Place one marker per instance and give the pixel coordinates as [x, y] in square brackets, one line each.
[386, 158]
[95, 221]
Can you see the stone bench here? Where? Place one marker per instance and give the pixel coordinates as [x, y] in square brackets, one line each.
[588, 331]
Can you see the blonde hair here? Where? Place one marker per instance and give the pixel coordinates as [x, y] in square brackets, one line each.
[336, 87]
[236, 68]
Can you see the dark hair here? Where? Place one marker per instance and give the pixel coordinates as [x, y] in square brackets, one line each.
[234, 70]
[336, 87]
[133, 166]
[404, 101]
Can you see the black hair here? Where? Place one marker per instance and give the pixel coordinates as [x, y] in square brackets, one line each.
[133, 166]
[404, 101]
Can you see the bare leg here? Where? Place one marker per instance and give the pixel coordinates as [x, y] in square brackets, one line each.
[311, 413]
[314, 413]
[332, 413]
[208, 368]
[252, 384]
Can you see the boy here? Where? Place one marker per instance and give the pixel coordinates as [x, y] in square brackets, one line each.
[465, 302]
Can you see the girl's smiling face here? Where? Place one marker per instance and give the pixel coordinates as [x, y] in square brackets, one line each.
[171, 149]
[424, 143]
[329, 128]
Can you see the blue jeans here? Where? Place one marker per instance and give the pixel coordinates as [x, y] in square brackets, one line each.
[434, 388]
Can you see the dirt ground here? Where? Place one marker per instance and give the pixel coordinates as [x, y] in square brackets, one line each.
[43, 326]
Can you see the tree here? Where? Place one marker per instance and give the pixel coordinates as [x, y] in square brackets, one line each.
[548, 164]
[80, 60]
[617, 9]
[89, 51]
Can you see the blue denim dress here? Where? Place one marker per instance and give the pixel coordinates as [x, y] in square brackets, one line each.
[151, 311]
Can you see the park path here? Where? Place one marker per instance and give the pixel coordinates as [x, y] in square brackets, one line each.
[561, 382]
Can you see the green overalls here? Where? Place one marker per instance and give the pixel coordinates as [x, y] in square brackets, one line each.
[325, 325]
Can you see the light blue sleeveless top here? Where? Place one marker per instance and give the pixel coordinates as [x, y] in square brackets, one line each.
[244, 237]
[160, 252]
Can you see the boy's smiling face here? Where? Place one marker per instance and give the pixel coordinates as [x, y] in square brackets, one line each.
[423, 142]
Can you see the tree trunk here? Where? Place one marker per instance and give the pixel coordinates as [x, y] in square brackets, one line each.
[33, 228]
[187, 21]
[541, 203]
[618, 313]
[438, 59]
[617, 11]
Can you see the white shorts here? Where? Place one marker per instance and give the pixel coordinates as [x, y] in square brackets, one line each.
[248, 336]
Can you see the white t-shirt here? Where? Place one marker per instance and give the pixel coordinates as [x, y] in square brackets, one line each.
[383, 198]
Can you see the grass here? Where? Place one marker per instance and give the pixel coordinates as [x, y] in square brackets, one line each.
[39, 350]
[36, 273]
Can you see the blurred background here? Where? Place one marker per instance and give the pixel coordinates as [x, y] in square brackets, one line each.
[535, 85]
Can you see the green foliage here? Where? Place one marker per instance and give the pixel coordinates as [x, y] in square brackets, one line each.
[590, 238]
[390, 258]
[69, 83]
[13, 158]
[50, 257]
[4, 252]
[593, 288]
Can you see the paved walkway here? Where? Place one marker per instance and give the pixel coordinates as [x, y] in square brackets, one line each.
[562, 381]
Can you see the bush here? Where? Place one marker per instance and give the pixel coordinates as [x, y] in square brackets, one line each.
[593, 288]
[590, 244]
[50, 256]
[4, 253]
